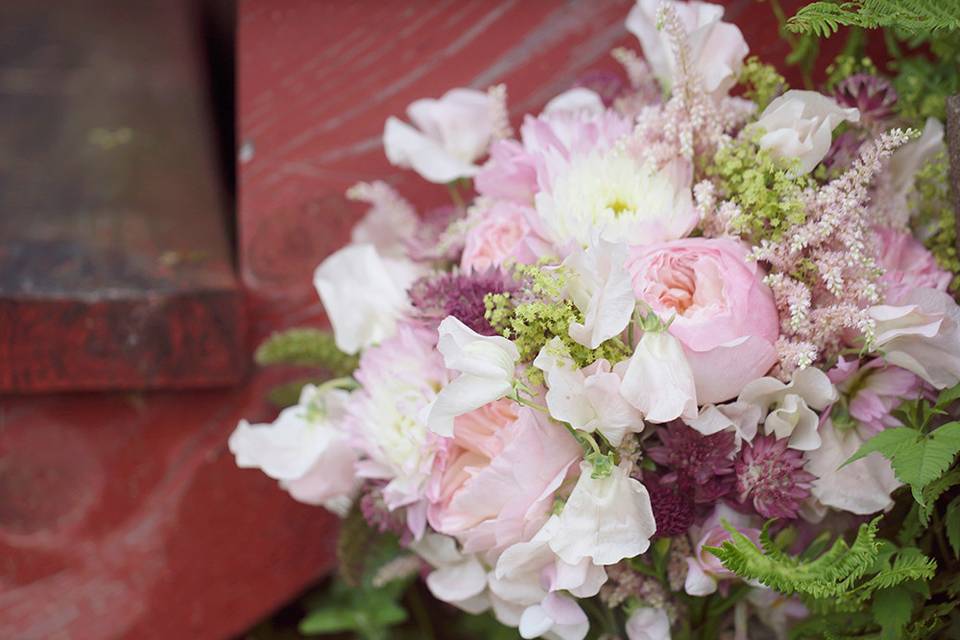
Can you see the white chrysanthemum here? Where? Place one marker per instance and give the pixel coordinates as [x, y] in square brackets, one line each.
[614, 196]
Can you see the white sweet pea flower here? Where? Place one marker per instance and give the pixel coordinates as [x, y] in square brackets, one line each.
[458, 579]
[588, 399]
[647, 623]
[922, 335]
[364, 294]
[861, 487]
[487, 365]
[452, 133]
[800, 124]
[304, 448]
[908, 159]
[658, 380]
[601, 288]
[604, 519]
[740, 417]
[526, 584]
[558, 615]
[716, 48]
[789, 407]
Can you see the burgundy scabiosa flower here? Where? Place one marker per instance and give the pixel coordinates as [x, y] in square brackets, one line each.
[459, 294]
[695, 461]
[772, 475]
[874, 96]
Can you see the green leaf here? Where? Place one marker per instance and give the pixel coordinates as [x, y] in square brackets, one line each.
[887, 443]
[892, 609]
[918, 459]
[948, 396]
[288, 394]
[305, 347]
[951, 525]
[933, 491]
[376, 614]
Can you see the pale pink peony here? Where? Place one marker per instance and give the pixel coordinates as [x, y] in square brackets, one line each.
[723, 314]
[908, 265]
[502, 232]
[493, 484]
[873, 391]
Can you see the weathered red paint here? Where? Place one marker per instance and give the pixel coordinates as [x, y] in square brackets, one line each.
[123, 515]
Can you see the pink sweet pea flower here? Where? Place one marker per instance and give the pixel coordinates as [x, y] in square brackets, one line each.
[908, 265]
[723, 313]
[874, 390]
[493, 485]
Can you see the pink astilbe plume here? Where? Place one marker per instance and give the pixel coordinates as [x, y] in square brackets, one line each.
[772, 476]
[691, 122]
[824, 274]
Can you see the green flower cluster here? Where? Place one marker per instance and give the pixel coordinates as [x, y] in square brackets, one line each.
[762, 185]
[761, 82]
[543, 314]
[934, 215]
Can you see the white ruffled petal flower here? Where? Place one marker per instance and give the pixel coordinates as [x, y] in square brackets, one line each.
[486, 364]
[658, 380]
[800, 124]
[740, 417]
[716, 48]
[601, 288]
[922, 336]
[587, 399]
[458, 579]
[450, 135]
[304, 448]
[861, 487]
[526, 583]
[789, 408]
[604, 519]
[364, 294]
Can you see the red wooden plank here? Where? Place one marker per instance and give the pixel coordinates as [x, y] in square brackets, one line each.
[115, 266]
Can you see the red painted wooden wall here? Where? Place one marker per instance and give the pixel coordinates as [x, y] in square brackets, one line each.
[122, 514]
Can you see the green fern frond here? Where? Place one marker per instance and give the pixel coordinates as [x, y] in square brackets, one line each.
[905, 567]
[911, 16]
[830, 575]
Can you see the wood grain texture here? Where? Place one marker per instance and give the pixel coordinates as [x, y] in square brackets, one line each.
[318, 79]
[115, 266]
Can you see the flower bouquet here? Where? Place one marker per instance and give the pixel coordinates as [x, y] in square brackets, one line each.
[680, 360]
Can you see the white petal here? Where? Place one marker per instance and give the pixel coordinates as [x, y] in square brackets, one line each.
[364, 294]
[658, 380]
[601, 288]
[458, 582]
[406, 147]
[862, 487]
[605, 519]
[647, 623]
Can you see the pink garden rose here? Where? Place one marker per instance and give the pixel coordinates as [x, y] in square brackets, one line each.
[723, 314]
[908, 264]
[493, 485]
[502, 233]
